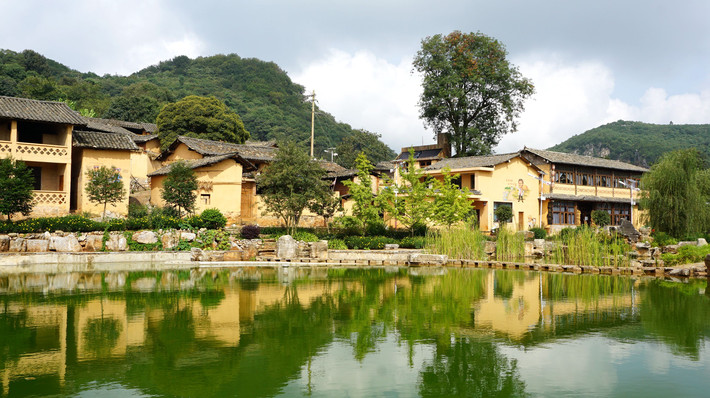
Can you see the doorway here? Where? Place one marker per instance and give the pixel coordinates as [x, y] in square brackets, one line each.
[521, 221]
[585, 212]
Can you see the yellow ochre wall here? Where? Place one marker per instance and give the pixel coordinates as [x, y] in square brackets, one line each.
[222, 181]
[94, 157]
[500, 184]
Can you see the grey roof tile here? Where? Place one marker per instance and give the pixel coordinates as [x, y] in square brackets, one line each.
[101, 140]
[206, 161]
[581, 160]
[252, 152]
[38, 111]
[471, 161]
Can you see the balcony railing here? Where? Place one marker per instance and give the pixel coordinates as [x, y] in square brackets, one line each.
[34, 152]
[58, 198]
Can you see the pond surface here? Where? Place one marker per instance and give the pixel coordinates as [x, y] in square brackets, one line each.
[348, 332]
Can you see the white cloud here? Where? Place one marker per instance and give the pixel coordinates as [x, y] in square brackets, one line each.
[369, 93]
[101, 36]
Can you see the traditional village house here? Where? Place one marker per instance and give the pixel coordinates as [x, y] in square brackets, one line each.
[39, 133]
[101, 144]
[494, 181]
[576, 185]
[219, 167]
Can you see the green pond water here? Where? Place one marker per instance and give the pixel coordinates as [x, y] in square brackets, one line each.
[352, 332]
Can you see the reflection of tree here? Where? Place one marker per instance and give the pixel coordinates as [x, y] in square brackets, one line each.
[101, 335]
[677, 313]
[16, 338]
[470, 368]
[506, 280]
[588, 288]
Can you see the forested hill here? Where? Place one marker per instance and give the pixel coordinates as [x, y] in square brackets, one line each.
[638, 143]
[269, 103]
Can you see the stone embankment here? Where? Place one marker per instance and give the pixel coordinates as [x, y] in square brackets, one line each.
[65, 252]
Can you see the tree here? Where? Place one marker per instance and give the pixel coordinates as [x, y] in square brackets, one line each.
[414, 205]
[200, 117]
[504, 213]
[471, 92]
[360, 190]
[601, 218]
[676, 194]
[16, 184]
[451, 203]
[104, 186]
[362, 141]
[291, 183]
[179, 187]
[134, 109]
[326, 205]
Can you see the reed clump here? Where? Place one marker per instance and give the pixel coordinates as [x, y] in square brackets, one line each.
[464, 241]
[585, 246]
[510, 246]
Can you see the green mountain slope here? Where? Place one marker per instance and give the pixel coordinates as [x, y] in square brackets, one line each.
[638, 143]
[269, 103]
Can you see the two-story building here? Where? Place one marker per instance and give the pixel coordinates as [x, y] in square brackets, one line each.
[577, 185]
[545, 188]
[39, 133]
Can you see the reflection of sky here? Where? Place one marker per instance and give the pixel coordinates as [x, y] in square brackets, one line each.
[386, 372]
[596, 366]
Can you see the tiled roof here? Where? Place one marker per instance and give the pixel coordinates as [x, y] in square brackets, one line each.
[331, 167]
[206, 161]
[422, 154]
[558, 196]
[39, 111]
[144, 138]
[250, 152]
[150, 127]
[344, 173]
[99, 140]
[471, 161]
[581, 160]
[96, 124]
[384, 166]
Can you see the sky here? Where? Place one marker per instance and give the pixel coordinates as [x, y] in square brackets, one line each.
[592, 62]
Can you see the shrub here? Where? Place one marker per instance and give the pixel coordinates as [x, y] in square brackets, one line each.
[504, 214]
[419, 229]
[376, 229]
[566, 233]
[413, 242]
[686, 254]
[348, 225]
[213, 219]
[368, 242]
[250, 232]
[305, 236]
[663, 239]
[539, 233]
[601, 218]
[337, 244]
[137, 210]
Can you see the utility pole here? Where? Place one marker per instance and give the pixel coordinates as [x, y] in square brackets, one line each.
[313, 119]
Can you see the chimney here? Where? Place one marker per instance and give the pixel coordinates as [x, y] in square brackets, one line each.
[443, 141]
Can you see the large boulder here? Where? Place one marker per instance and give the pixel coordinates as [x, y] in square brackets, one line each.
[145, 237]
[4, 243]
[18, 245]
[188, 236]
[702, 242]
[94, 243]
[428, 259]
[117, 243]
[628, 231]
[319, 250]
[67, 243]
[37, 245]
[707, 262]
[286, 248]
[170, 239]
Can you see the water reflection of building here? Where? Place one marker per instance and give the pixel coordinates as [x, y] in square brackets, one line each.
[64, 329]
[528, 307]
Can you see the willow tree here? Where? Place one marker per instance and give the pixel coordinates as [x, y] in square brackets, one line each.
[472, 93]
[676, 193]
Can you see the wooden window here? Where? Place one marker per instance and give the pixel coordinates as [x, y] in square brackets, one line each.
[564, 177]
[473, 182]
[617, 211]
[457, 181]
[604, 180]
[585, 179]
[563, 213]
[205, 198]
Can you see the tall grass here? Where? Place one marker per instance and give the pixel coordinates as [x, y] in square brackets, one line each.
[509, 245]
[587, 247]
[459, 242]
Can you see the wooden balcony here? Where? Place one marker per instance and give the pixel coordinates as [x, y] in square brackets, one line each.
[29, 152]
